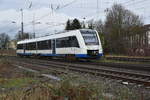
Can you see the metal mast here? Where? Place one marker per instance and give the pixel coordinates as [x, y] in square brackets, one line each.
[34, 25]
[97, 8]
[22, 28]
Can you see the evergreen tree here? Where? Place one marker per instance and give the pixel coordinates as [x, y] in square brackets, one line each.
[76, 24]
[68, 25]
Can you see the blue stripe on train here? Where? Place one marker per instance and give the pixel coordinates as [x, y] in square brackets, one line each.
[56, 55]
[87, 56]
[30, 54]
[63, 55]
[25, 54]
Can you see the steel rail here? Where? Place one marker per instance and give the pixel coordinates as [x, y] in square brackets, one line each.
[135, 67]
[109, 73]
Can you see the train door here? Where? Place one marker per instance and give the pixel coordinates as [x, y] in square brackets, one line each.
[54, 46]
[36, 48]
[74, 44]
[24, 48]
[71, 44]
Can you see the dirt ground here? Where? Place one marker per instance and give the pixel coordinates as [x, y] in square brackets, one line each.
[7, 52]
[7, 70]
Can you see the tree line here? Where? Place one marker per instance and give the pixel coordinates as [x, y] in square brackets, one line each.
[5, 40]
[122, 32]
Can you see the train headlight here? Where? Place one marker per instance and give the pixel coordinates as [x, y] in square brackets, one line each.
[95, 52]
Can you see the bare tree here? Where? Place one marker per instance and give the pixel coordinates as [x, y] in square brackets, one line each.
[19, 36]
[4, 40]
[99, 26]
[122, 27]
[91, 24]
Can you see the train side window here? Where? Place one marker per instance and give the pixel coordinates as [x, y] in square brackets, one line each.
[49, 44]
[62, 42]
[43, 45]
[39, 45]
[31, 46]
[24, 46]
[20, 46]
[74, 42]
[28, 46]
[58, 43]
[67, 42]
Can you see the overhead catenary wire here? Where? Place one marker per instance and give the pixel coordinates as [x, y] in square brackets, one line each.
[29, 4]
[127, 2]
[62, 5]
[135, 2]
[58, 8]
[48, 27]
[46, 15]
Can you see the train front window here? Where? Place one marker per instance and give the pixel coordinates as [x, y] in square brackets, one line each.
[90, 37]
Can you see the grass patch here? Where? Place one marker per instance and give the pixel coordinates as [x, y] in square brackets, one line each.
[127, 56]
[16, 82]
[104, 60]
[72, 87]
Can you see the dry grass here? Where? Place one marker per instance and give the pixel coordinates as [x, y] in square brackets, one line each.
[72, 88]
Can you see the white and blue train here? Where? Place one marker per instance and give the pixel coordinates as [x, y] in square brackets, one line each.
[83, 43]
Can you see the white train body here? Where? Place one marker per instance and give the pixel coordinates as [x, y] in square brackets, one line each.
[84, 43]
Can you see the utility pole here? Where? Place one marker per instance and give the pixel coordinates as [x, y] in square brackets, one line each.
[34, 25]
[22, 28]
[97, 9]
[84, 26]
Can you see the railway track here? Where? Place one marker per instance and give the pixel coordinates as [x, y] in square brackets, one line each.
[137, 67]
[64, 67]
[132, 59]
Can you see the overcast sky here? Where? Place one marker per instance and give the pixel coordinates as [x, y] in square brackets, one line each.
[48, 21]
